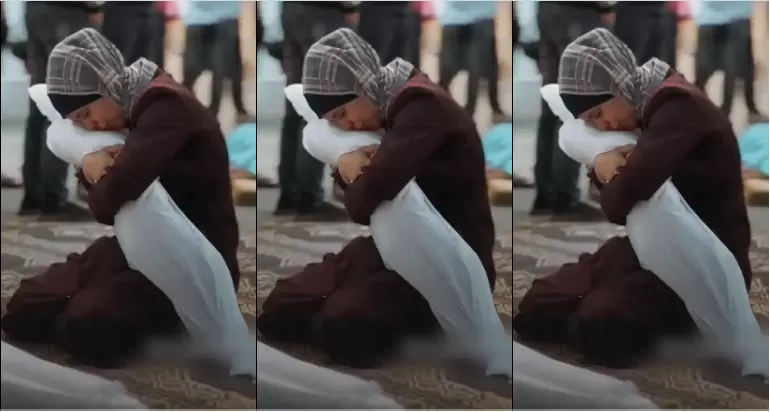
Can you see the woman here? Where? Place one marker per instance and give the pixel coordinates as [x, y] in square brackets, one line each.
[349, 304]
[93, 304]
[606, 305]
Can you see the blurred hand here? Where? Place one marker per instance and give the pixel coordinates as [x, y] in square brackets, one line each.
[608, 19]
[113, 151]
[349, 165]
[95, 19]
[94, 165]
[626, 150]
[368, 151]
[351, 19]
[606, 165]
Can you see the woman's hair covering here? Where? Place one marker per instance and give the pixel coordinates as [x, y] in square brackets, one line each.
[599, 63]
[343, 63]
[87, 63]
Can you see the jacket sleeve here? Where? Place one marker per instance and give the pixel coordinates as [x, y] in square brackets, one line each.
[418, 130]
[673, 131]
[161, 131]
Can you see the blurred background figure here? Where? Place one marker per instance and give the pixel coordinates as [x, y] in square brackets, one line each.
[385, 25]
[467, 38]
[556, 175]
[211, 32]
[724, 43]
[300, 176]
[44, 175]
[5, 181]
[640, 24]
[129, 25]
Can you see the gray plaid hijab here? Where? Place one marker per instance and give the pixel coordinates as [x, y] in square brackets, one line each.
[342, 63]
[598, 63]
[87, 63]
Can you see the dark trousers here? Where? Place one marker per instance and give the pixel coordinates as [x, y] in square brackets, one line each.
[556, 174]
[413, 51]
[468, 47]
[727, 47]
[641, 27]
[214, 47]
[45, 175]
[385, 27]
[158, 39]
[299, 174]
[130, 29]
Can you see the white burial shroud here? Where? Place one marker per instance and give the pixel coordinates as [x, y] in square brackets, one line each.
[284, 382]
[31, 383]
[160, 242]
[672, 242]
[417, 243]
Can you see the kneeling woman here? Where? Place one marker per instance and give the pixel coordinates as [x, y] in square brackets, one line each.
[605, 304]
[349, 304]
[93, 304]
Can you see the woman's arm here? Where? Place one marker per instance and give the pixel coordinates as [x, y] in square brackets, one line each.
[161, 131]
[418, 130]
[674, 130]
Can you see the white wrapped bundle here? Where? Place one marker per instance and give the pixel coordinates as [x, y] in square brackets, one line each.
[284, 382]
[435, 260]
[672, 242]
[160, 242]
[29, 382]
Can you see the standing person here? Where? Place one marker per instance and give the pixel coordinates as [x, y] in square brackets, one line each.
[158, 20]
[384, 25]
[45, 175]
[299, 174]
[640, 24]
[128, 25]
[556, 175]
[211, 43]
[5, 181]
[467, 31]
[724, 29]
[414, 19]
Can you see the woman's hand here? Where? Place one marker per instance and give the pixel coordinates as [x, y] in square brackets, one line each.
[349, 165]
[94, 165]
[606, 165]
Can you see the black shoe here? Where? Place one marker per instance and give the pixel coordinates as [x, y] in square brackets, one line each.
[65, 212]
[577, 212]
[29, 207]
[541, 206]
[9, 182]
[321, 212]
[285, 206]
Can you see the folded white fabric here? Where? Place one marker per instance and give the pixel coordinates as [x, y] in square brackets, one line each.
[160, 242]
[284, 382]
[416, 242]
[671, 241]
[29, 382]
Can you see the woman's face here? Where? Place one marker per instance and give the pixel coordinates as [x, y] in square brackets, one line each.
[358, 114]
[613, 115]
[100, 115]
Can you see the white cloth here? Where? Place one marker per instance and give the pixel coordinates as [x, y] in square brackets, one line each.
[30, 383]
[672, 242]
[284, 382]
[160, 242]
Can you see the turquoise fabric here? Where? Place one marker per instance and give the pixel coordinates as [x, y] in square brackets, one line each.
[242, 147]
[753, 144]
[498, 147]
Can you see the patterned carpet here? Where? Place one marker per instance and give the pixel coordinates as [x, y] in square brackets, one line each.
[285, 248]
[541, 248]
[29, 247]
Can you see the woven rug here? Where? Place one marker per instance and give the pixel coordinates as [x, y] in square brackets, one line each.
[29, 247]
[285, 248]
[540, 248]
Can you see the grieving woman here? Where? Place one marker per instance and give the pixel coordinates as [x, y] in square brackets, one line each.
[93, 304]
[605, 305]
[349, 304]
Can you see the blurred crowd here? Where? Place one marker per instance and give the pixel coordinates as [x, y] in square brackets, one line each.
[138, 29]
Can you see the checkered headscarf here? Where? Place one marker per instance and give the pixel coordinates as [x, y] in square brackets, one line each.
[86, 63]
[342, 63]
[598, 63]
